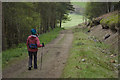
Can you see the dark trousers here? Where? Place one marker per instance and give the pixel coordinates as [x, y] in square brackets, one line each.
[31, 54]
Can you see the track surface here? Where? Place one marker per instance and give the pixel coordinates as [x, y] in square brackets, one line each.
[54, 60]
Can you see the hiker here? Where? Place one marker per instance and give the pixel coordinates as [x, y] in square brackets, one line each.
[32, 45]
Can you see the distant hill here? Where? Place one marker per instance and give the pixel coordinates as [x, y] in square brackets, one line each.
[106, 29]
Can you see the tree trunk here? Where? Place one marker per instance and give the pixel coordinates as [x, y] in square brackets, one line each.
[60, 20]
[47, 25]
[41, 28]
[109, 6]
[54, 24]
[4, 43]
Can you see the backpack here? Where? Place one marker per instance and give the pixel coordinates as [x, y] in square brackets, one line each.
[32, 42]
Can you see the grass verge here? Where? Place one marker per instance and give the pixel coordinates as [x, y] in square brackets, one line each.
[75, 20]
[20, 52]
[96, 64]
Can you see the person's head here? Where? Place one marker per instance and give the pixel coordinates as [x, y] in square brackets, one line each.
[33, 31]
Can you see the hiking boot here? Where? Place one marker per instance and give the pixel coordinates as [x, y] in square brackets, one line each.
[29, 68]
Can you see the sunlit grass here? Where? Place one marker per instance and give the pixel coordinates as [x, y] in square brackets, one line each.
[75, 20]
[80, 4]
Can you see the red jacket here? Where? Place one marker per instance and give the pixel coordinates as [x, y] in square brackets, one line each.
[33, 38]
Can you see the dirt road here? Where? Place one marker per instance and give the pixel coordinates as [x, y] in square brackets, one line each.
[54, 60]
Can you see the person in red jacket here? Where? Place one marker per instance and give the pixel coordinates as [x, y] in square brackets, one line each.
[33, 44]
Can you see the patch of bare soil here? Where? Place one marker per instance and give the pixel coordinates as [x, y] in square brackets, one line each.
[100, 33]
[54, 60]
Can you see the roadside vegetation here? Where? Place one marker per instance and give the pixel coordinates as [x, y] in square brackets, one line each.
[86, 59]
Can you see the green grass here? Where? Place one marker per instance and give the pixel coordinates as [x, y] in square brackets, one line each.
[75, 20]
[110, 21]
[49, 36]
[96, 65]
[80, 4]
[11, 55]
[1, 62]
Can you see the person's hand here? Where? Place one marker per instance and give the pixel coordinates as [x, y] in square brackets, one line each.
[43, 45]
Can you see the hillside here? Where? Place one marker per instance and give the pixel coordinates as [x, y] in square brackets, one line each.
[106, 29]
[94, 52]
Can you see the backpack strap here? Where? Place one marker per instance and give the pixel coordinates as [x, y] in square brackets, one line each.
[28, 42]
